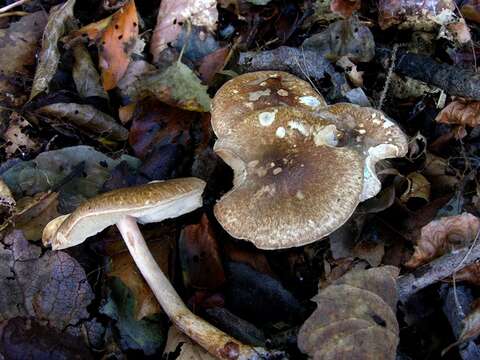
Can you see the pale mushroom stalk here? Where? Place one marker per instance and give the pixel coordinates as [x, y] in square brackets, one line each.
[207, 336]
[150, 203]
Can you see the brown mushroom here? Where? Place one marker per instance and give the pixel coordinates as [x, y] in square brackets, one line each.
[260, 90]
[149, 203]
[299, 170]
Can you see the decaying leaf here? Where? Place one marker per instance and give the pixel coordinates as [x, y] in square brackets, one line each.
[50, 287]
[355, 76]
[470, 274]
[85, 169]
[345, 7]
[85, 76]
[33, 213]
[17, 137]
[177, 86]
[443, 235]
[127, 84]
[213, 63]
[418, 188]
[183, 348]
[470, 9]
[118, 41]
[465, 113]
[440, 174]
[199, 255]
[87, 118]
[146, 334]
[171, 16]
[347, 37]
[123, 267]
[17, 54]
[355, 318]
[50, 55]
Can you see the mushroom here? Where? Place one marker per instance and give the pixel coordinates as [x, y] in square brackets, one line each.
[152, 202]
[300, 168]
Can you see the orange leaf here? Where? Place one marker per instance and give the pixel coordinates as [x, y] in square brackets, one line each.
[117, 44]
[460, 113]
[440, 236]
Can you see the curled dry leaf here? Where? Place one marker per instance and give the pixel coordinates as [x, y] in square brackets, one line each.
[50, 55]
[171, 16]
[87, 118]
[117, 44]
[17, 54]
[465, 113]
[85, 76]
[418, 187]
[182, 348]
[440, 236]
[355, 318]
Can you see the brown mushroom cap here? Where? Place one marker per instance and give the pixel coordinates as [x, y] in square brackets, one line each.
[259, 90]
[152, 202]
[293, 185]
[376, 136]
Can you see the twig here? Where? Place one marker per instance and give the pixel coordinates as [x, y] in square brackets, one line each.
[436, 270]
[11, 6]
[14, 13]
[389, 77]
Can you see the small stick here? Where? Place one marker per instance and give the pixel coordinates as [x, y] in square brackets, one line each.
[435, 271]
[14, 13]
[11, 6]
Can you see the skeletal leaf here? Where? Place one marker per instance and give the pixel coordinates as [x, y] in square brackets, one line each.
[17, 138]
[87, 118]
[50, 55]
[85, 76]
[355, 318]
[441, 236]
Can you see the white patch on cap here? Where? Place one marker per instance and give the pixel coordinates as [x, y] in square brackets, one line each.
[300, 127]
[299, 195]
[282, 92]
[267, 118]
[277, 171]
[280, 133]
[254, 96]
[387, 123]
[326, 135]
[362, 131]
[309, 101]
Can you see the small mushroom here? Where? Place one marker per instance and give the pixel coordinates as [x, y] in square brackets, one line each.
[260, 90]
[299, 170]
[149, 203]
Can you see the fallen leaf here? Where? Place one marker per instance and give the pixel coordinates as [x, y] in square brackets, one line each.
[50, 55]
[355, 76]
[345, 7]
[470, 274]
[470, 326]
[85, 76]
[443, 235]
[118, 42]
[465, 113]
[123, 267]
[23, 338]
[355, 318]
[171, 16]
[199, 256]
[32, 214]
[470, 9]
[85, 169]
[212, 64]
[146, 335]
[127, 84]
[255, 259]
[17, 137]
[418, 189]
[182, 348]
[17, 54]
[177, 86]
[50, 286]
[347, 37]
[87, 118]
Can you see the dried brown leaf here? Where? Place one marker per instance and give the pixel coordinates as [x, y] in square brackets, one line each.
[441, 236]
[118, 42]
[355, 318]
[345, 7]
[85, 75]
[87, 118]
[470, 274]
[17, 54]
[470, 9]
[50, 55]
[171, 16]
[460, 113]
[418, 187]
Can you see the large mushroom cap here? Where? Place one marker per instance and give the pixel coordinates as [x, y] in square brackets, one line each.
[293, 185]
[259, 90]
[152, 202]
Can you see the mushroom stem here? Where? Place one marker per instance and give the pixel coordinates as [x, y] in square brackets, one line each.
[215, 341]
